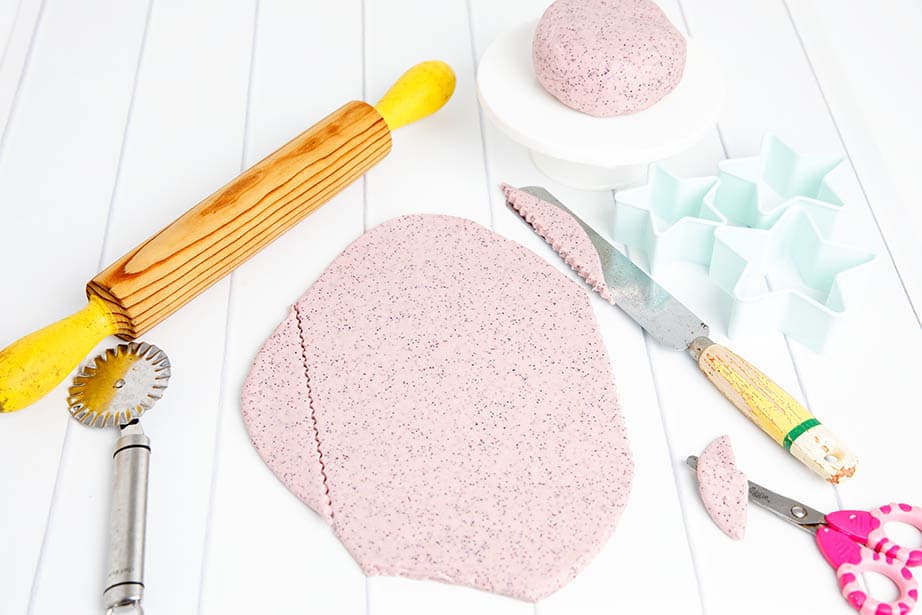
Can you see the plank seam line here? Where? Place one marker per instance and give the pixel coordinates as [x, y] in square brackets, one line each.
[672, 464]
[36, 575]
[659, 403]
[787, 343]
[484, 151]
[851, 162]
[26, 64]
[841, 136]
[228, 325]
[726, 151]
[483, 132]
[123, 146]
[720, 137]
[367, 595]
[364, 175]
[364, 43]
[9, 34]
[803, 394]
[118, 167]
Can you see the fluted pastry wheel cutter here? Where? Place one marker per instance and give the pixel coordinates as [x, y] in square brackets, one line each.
[114, 390]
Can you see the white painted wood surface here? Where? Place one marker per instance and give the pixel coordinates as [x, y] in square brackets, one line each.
[117, 115]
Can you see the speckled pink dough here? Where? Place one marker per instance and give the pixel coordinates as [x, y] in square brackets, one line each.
[607, 57]
[564, 234]
[284, 437]
[724, 489]
[465, 413]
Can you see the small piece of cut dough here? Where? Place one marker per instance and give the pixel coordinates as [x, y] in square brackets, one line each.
[724, 489]
[443, 398]
[607, 57]
[563, 233]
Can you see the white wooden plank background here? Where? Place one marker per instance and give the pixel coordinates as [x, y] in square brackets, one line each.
[117, 116]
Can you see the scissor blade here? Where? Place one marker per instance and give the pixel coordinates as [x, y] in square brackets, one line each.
[792, 511]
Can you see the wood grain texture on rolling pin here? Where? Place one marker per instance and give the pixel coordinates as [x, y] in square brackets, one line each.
[209, 241]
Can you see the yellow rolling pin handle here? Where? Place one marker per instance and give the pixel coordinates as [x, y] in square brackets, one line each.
[421, 91]
[33, 365]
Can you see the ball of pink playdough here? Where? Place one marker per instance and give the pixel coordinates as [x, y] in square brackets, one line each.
[607, 57]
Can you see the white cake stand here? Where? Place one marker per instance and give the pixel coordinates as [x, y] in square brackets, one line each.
[585, 151]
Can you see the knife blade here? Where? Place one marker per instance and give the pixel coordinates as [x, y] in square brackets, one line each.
[660, 314]
[672, 324]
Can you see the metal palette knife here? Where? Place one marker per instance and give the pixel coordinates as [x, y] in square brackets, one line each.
[672, 324]
[114, 390]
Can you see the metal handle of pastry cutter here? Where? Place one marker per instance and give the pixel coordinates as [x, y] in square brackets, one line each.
[128, 522]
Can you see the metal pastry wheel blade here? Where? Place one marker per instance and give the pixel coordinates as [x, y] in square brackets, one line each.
[115, 389]
[119, 385]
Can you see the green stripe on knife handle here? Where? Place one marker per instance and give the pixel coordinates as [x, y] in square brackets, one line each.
[773, 409]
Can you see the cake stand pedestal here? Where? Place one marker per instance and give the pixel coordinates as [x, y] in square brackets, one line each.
[588, 152]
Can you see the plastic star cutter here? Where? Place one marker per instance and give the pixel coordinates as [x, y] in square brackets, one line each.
[744, 258]
[668, 218]
[756, 191]
[115, 389]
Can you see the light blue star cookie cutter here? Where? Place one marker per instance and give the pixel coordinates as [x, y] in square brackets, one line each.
[669, 218]
[756, 191]
[743, 259]
[780, 193]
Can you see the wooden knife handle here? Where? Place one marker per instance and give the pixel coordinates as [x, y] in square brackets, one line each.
[206, 243]
[773, 409]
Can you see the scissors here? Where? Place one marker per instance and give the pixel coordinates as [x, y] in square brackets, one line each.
[854, 542]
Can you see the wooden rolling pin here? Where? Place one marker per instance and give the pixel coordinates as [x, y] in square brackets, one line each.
[210, 240]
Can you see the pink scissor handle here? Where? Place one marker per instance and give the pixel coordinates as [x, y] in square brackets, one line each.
[868, 528]
[850, 559]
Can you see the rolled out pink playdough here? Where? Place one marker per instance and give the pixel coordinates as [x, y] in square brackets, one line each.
[724, 489]
[443, 398]
[607, 57]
